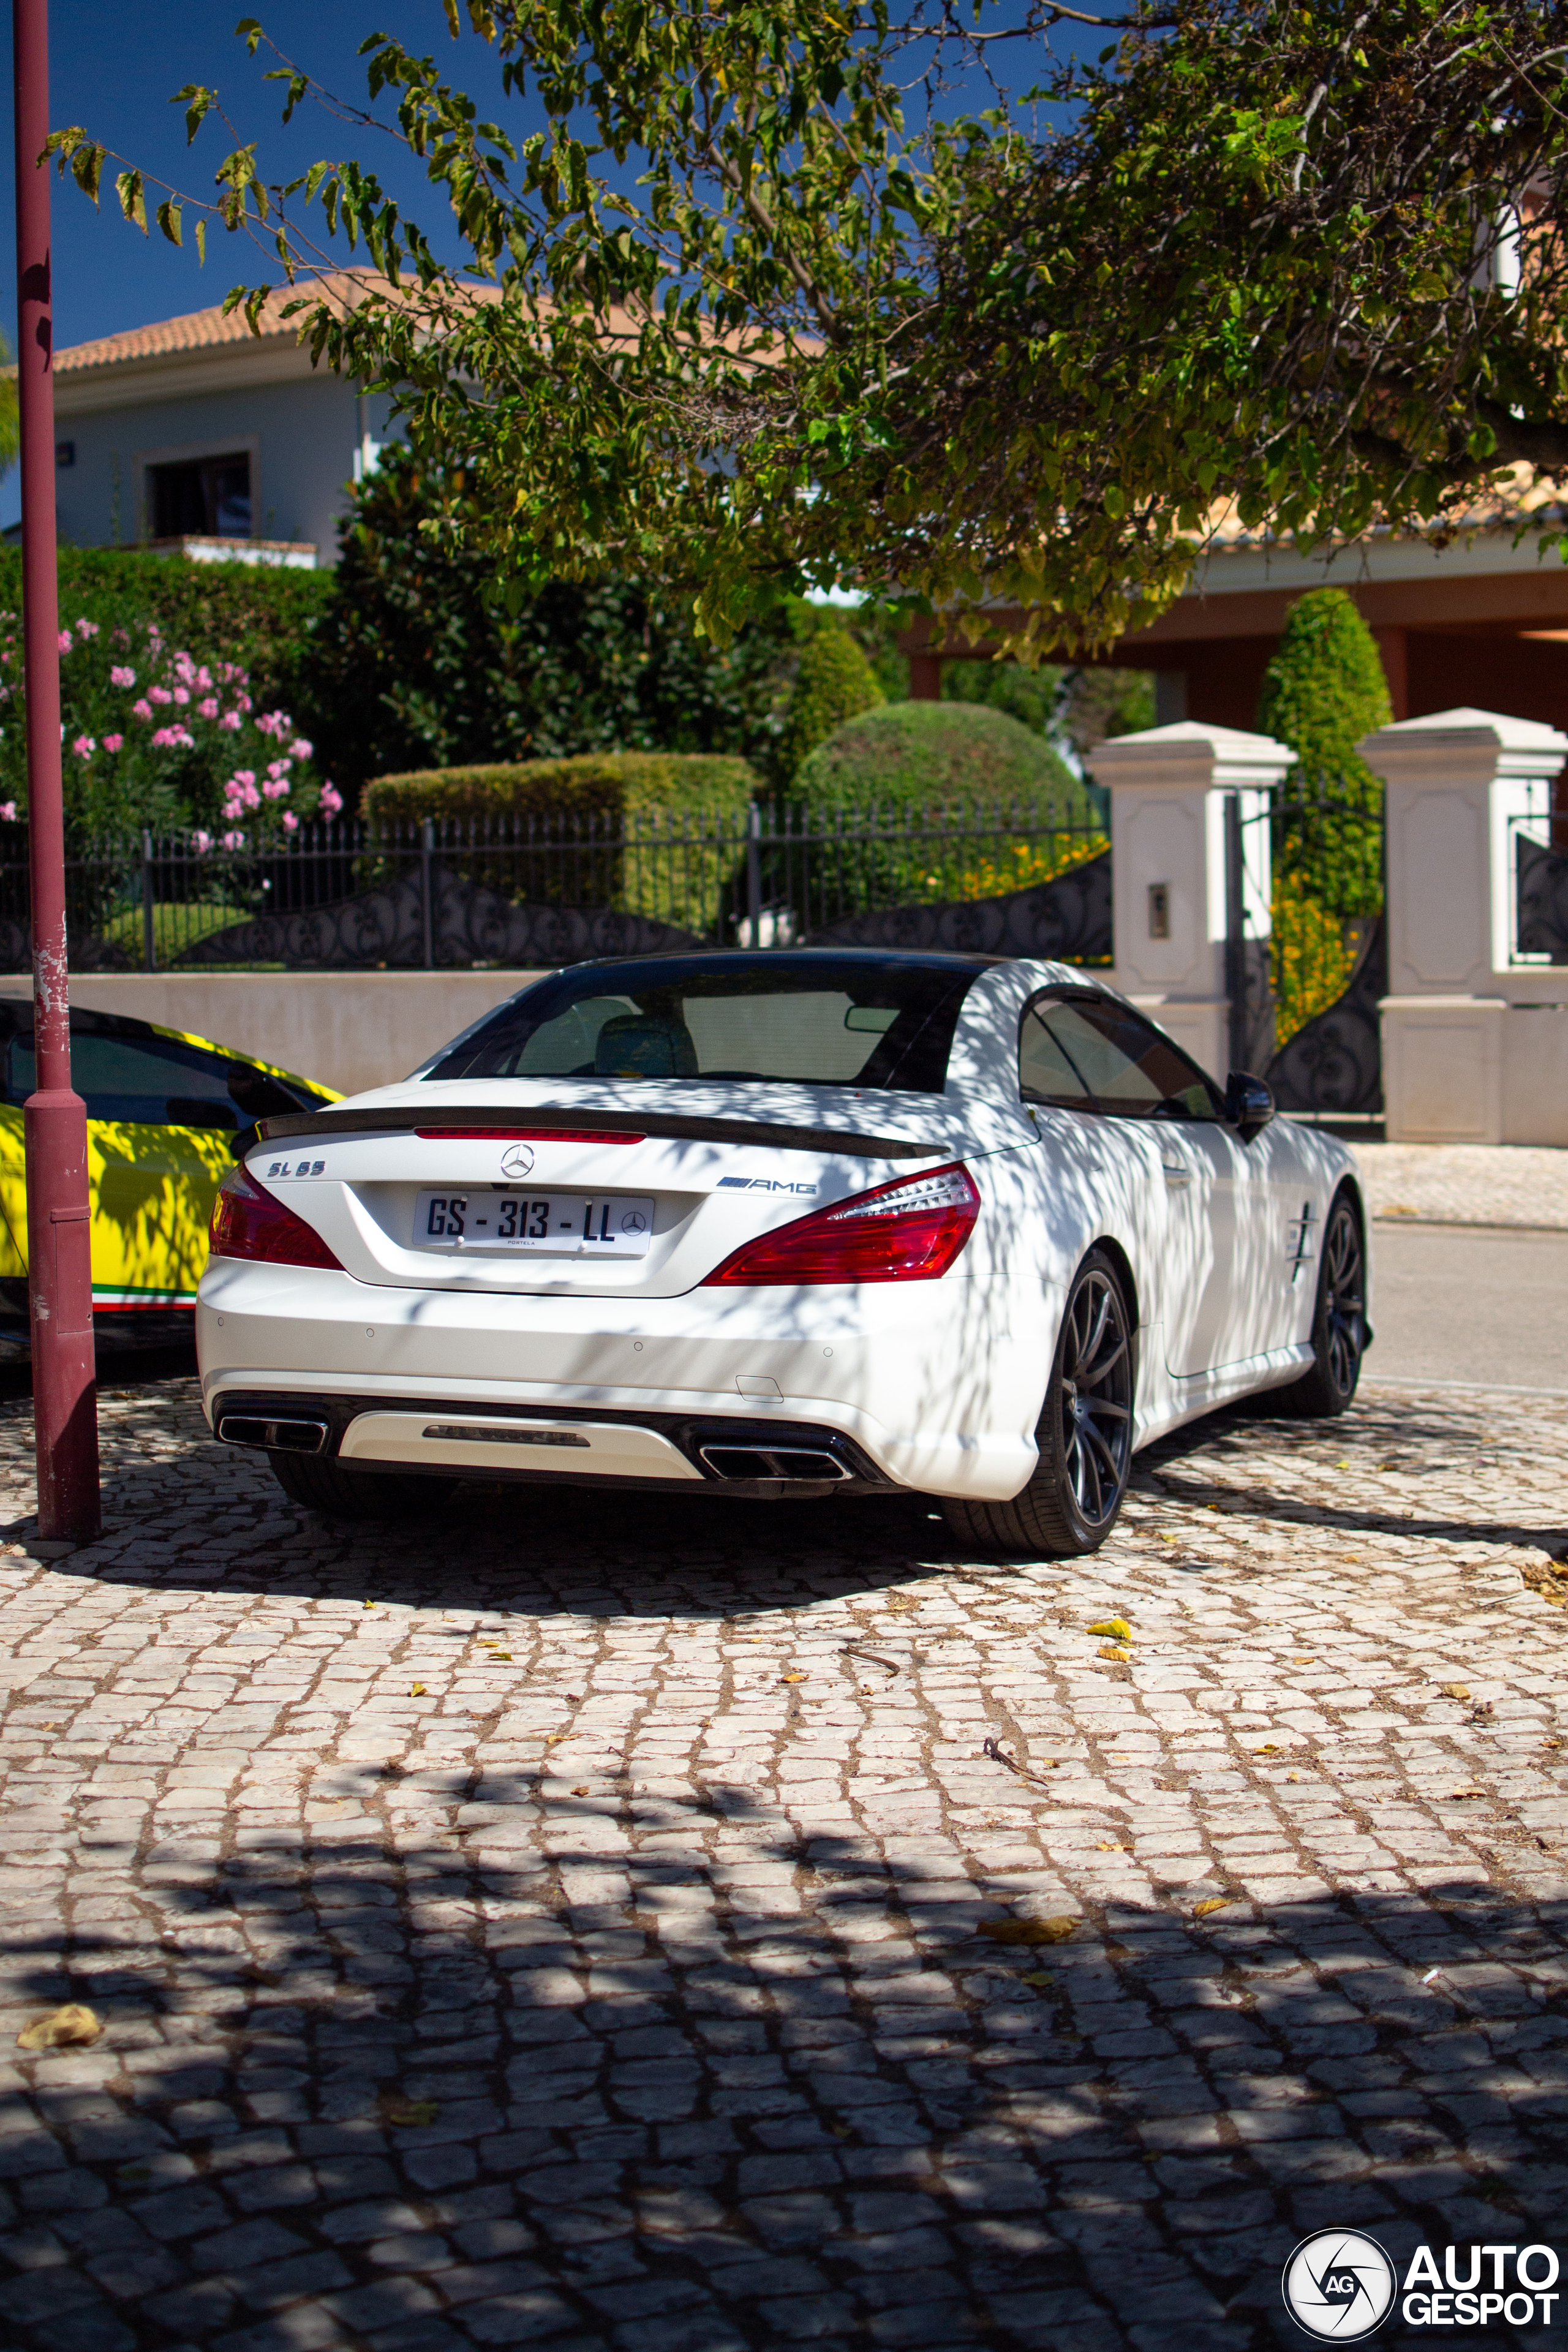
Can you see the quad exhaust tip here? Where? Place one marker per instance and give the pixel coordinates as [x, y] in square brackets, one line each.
[279, 1436]
[802, 1462]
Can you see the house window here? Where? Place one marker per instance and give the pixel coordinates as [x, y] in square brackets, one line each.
[203, 497]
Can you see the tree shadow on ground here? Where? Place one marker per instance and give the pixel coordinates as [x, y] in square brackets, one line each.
[518, 2081]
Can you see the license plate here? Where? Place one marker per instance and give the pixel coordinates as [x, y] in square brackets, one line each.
[569, 1224]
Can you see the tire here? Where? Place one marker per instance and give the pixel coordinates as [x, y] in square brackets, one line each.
[1084, 1433]
[1339, 1323]
[356, 1494]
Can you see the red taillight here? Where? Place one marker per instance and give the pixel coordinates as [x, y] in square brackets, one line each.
[907, 1232]
[250, 1222]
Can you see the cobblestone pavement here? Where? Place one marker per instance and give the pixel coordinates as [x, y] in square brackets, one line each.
[564, 1923]
[1466, 1183]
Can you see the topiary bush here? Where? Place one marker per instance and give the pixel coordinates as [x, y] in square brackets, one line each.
[968, 804]
[1323, 690]
[604, 829]
[833, 682]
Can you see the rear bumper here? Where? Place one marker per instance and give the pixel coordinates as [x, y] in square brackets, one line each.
[933, 1386]
[734, 1454]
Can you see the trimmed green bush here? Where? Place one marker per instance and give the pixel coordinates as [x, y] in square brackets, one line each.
[603, 820]
[835, 682]
[948, 784]
[1324, 689]
[641, 784]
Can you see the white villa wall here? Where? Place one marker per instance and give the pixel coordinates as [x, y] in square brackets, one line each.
[304, 435]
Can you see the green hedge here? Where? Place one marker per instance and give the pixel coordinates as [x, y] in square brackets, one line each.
[642, 799]
[1002, 809]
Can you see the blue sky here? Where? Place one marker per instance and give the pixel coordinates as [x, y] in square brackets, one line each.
[113, 69]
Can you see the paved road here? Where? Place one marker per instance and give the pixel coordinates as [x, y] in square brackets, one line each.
[1487, 1307]
[567, 1924]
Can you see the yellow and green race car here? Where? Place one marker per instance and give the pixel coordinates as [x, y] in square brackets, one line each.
[162, 1110]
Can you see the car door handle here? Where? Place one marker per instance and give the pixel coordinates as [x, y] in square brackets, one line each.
[1178, 1179]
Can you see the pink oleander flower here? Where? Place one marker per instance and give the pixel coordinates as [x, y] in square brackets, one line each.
[182, 694]
[66, 641]
[231, 721]
[87, 628]
[275, 722]
[185, 667]
[84, 746]
[159, 694]
[203, 676]
[250, 797]
[244, 701]
[173, 739]
[276, 787]
[301, 749]
[121, 676]
[122, 636]
[142, 710]
[332, 800]
[279, 767]
[201, 841]
[8, 811]
[114, 742]
[207, 709]
[290, 821]
[233, 841]
[241, 776]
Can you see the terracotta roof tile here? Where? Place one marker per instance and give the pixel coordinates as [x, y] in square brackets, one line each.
[199, 331]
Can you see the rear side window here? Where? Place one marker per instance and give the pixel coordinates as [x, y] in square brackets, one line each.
[810, 1019]
[157, 1081]
[1092, 1054]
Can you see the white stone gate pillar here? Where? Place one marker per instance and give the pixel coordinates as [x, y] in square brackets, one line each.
[1168, 789]
[1474, 1033]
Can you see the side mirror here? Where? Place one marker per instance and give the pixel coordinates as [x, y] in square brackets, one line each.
[1248, 1104]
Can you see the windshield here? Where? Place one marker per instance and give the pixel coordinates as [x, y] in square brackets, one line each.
[813, 1020]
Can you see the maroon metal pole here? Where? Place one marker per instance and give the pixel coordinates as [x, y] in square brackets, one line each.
[59, 1266]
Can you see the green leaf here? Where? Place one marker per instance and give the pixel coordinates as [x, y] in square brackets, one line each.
[169, 220]
[132, 204]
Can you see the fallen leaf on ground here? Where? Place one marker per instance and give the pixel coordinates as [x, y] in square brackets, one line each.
[416, 1690]
[369, 1604]
[1113, 1650]
[1212, 1903]
[1117, 1627]
[1107, 1845]
[1303, 1662]
[1456, 1690]
[1030, 1931]
[70, 2028]
[1036, 1976]
[1269, 1748]
[792, 1678]
[410, 2114]
[500, 1658]
[582, 1792]
[1466, 1792]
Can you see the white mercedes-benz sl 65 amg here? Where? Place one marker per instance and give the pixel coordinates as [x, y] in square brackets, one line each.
[798, 1222]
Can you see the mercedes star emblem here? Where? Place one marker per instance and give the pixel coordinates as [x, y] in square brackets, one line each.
[517, 1160]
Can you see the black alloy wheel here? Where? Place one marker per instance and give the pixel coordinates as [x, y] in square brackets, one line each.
[1084, 1434]
[1339, 1333]
[1093, 1395]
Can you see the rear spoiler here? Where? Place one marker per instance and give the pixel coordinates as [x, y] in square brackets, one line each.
[402, 1119]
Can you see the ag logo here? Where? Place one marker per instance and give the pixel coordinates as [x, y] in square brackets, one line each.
[517, 1160]
[1339, 2286]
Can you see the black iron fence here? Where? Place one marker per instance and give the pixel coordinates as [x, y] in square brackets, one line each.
[1022, 877]
[1306, 969]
